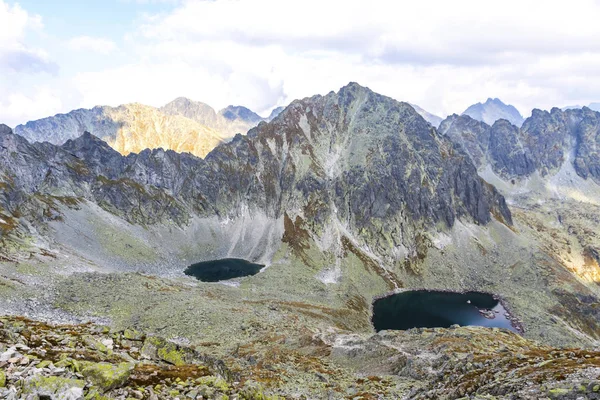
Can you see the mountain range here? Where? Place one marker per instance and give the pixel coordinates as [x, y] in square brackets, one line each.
[544, 143]
[310, 160]
[182, 125]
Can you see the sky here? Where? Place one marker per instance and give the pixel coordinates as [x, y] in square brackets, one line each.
[56, 56]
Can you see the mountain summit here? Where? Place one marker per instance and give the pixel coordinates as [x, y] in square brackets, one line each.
[493, 110]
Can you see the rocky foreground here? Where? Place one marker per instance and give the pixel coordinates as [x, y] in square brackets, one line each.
[42, 361]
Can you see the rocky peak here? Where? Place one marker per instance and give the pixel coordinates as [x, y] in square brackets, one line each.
[86, 144]
[196, 110]
[96, 154]
[373, 157]
[471, 134]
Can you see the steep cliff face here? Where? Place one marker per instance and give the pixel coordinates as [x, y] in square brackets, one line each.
[545, 142]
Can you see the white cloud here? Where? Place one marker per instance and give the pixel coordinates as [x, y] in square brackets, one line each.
[96, 45]
[15, 55]
[441, 55]
[20, 106]
[21, 66]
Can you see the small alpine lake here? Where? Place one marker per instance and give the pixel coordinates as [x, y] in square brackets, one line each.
[222, 270]
[438, 309]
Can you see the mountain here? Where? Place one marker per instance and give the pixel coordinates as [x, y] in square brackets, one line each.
[310, 160]
[182, 125]
[127, 128]
[195, 110]
[431, 118]
[493, 110]
[233, 113]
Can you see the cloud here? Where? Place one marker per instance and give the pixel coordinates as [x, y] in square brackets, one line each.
[20, 106]
[425, 32]
[160, 82]
[443, 56]
[15, 55]
[96, 45]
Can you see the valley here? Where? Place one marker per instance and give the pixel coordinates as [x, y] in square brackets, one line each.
[344, 199]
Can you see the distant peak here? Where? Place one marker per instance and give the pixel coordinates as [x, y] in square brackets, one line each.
[240, 112]
[276, 111]
[185, 101]
[492, 110]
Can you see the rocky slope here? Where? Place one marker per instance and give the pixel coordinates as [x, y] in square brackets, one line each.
[493, 110]
[94, 361]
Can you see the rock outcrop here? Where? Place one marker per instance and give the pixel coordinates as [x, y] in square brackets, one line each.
[38, 360]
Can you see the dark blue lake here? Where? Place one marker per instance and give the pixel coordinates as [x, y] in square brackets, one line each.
[432, 309]
[222, 270]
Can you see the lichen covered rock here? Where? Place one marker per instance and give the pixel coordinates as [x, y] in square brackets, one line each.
[105, 375]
